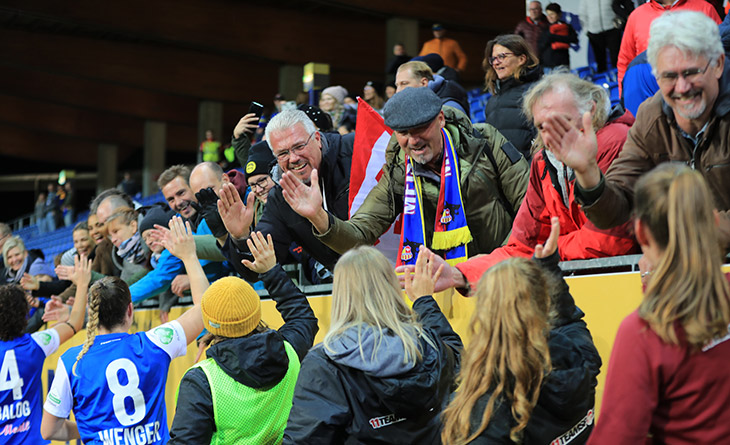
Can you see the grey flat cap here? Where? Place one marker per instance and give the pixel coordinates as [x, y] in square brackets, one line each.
[410, 108]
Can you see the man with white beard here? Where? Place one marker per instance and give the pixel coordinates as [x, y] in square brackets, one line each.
[687, 121]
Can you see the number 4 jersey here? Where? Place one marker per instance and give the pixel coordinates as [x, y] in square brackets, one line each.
[118, 390]
[21, 363]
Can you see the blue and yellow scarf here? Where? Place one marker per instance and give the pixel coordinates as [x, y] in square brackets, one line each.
[451, 233]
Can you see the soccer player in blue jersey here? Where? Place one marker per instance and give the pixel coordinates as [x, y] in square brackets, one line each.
[22, 356]
[115, 382]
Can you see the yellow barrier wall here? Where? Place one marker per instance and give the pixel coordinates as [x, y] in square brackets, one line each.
[606, 300]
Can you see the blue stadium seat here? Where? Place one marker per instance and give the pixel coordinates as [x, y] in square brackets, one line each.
[584, 72]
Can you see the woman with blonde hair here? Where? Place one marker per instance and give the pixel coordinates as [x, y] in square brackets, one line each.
[384, 371]
[529, 374]
[667, 377]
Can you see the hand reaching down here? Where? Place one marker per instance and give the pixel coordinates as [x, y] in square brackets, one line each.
[262, 251]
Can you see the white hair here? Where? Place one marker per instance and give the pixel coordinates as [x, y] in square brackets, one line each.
[691, 32]
[287, 119]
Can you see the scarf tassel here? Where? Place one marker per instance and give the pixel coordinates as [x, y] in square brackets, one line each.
[451, 239]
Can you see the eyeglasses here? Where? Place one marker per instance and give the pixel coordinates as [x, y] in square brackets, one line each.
[501, 57]
[669, 78]
[261, 183]
[284, 154]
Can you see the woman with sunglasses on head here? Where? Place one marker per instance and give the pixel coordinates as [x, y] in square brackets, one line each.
[667, 377]
[511, 68]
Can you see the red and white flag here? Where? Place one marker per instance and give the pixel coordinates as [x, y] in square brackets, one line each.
[368, 158]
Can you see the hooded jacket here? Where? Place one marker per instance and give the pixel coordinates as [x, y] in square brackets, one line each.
[565, 407]
[451, 93]
[342, 397]
[256, 361]
[504, 110]
[550, 195]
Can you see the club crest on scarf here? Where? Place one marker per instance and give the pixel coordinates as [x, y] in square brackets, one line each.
[451, 233]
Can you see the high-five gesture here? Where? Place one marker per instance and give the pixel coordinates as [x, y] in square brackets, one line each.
[179, 240]
[574, 147]
[81, 275]
[424, 279]
[304, 199]
[263, 253]
[237, 217]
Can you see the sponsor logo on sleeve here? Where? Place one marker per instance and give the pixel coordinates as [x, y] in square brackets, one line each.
[165, 334]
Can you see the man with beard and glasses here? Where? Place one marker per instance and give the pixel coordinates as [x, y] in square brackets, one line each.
[687, 121]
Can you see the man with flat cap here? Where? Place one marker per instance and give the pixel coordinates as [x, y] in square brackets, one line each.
[457, 187]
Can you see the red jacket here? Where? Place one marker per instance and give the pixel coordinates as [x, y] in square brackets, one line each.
[636, 33]
[579, 238]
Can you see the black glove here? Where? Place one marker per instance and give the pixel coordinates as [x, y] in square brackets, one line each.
[207, 207]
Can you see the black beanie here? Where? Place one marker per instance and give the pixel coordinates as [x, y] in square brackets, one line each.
[322, 120]
[260, 160]
[155, 214]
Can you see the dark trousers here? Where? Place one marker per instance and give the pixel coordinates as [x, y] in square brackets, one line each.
[606, 40]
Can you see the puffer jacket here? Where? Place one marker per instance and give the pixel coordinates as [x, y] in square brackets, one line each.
[492, 191]
[504, 110]
[342, 398]
[655, 138]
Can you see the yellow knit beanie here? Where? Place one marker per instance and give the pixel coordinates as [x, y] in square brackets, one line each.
[231, 308]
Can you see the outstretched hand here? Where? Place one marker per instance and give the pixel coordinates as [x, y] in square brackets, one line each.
[64, 272]
[180, 242]
[263, 253]
[304, 199]
[450, 276]
[155, 237]
[551, 244]
[29, 282]
[236, 217]
[573, 147]
[424, 279]
[82, 270]
[56, 310]
[207, 208]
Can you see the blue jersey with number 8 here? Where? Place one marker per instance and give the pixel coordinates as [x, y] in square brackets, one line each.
[118, 391]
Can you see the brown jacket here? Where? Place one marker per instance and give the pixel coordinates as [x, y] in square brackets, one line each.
[655, 138]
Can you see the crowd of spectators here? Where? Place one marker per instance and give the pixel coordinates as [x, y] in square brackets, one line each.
[489, 209]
